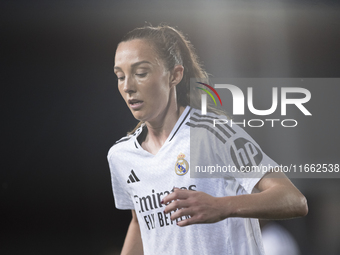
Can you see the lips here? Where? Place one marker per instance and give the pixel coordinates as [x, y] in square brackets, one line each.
[135, 103]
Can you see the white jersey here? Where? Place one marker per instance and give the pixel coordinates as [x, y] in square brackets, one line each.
[140, 180]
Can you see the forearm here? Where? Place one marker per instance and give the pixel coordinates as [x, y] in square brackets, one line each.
[133, 241]
[279, 201]
[269, 204]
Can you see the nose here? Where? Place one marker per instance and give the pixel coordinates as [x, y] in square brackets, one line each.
[129, 85]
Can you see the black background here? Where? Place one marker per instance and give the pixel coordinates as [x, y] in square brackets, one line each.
[62, 111]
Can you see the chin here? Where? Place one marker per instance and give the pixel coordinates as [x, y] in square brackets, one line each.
[138, 115]
[143, 114]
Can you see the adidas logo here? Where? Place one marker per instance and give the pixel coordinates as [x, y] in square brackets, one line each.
[133, 177]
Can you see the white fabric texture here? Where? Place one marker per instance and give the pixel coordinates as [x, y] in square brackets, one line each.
[140, 180]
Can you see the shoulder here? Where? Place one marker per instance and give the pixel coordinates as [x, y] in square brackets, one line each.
[210, 117]
[211, 125]
[119, 145]
[124, 144]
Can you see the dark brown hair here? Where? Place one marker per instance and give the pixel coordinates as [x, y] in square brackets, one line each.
[174, 49]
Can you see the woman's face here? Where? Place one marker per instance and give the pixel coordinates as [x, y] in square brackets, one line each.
[143, 80]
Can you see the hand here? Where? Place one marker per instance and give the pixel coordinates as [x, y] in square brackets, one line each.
[201, 207]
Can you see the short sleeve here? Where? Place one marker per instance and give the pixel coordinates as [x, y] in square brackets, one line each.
[226, 151]
[122, 198]
[245, 155]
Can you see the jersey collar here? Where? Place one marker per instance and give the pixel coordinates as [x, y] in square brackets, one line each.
[178, 125]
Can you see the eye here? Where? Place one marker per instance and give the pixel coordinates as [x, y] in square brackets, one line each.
[121, 78]
[141, 74]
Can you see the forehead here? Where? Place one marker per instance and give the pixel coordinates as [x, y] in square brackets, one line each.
[135, 51]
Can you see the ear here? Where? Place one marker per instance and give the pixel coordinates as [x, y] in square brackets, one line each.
[176, 75]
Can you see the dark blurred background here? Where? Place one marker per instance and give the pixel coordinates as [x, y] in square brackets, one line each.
[62, 111]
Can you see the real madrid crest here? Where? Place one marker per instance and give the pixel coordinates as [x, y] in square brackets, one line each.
[182, 166]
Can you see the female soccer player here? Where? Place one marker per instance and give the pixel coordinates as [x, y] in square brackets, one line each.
[150, 167]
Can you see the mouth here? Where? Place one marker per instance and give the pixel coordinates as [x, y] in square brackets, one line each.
[135, 103]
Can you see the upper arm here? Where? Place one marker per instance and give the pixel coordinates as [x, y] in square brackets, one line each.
[134, 216]
[272, 179]
[133, 242]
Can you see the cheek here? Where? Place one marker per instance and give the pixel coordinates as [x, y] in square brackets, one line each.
[160, 95]
[120, 89]
[162, 88]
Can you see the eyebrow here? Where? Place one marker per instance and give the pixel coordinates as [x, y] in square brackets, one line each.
[133, 65]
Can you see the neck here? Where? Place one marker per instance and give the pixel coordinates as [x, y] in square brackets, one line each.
[160, 129]
[163, 128]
